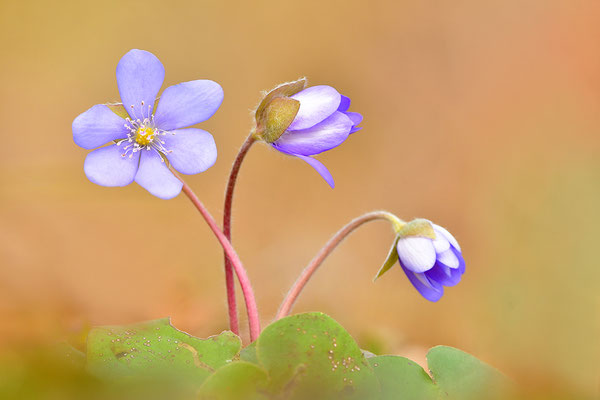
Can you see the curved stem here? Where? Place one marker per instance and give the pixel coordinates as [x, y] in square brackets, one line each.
[229, 279]
[311, 268]
[253, 319]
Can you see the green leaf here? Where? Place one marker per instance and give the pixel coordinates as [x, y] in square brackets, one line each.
[248, 353]
[390, 260]
[401, 378]
[69, 354]
[156, 348]
[311, 356]
[463, 377]
[239, 380]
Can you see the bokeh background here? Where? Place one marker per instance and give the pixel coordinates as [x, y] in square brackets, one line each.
[483, 116]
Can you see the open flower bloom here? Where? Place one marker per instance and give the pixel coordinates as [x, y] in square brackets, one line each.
[322, 123]
[141, 142]
[430, 263]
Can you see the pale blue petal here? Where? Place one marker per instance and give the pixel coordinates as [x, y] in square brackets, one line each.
[444, 275]
[416, 253]
[429, 289]
[191, 150]
[356, 119]
[344, 103]
[107, 166]
[187, 103]
[461, 260]
[320, 168]
[98, 126]
[154, 176]
[440, 243]
[449, 259]
[316, 104]
[322, 137]
[139, 78]
[447, 235]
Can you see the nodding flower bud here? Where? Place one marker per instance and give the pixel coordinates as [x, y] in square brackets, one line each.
[429, 256]
[303, 122]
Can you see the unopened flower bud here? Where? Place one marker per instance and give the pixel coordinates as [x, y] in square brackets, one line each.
[429, 256]
[303, 122]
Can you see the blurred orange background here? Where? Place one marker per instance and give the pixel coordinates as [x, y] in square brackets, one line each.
[482, 116]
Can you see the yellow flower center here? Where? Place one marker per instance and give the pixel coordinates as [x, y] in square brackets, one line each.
[144, 136]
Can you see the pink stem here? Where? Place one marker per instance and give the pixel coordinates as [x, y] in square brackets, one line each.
[253, 319]
[311, 268]
[229, 279]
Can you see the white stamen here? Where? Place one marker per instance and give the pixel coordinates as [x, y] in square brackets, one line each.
[144, 125]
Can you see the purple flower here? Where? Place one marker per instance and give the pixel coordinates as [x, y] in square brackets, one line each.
[429, 256]
[302, 122]
[145, 137]
[322, 123]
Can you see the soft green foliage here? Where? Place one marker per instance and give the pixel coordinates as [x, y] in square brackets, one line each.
[156, 348]
[312, 356]
[400, 377]
[239, 380]
[390, 260]
[461, 376]
[70, 355]
[305, 356]
[248, 353]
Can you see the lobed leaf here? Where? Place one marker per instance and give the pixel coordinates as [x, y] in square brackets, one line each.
[311, 356]
[238, 380]
[461, 376]
[156, 348]
[402, 378]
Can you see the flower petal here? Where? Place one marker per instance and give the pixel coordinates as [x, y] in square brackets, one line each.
[356, 119]
[440, 243]
[461, 260]
[316, 104]
[187, 103]
[444, 275]
[319, 167]
[154, 176]
[447, 235]
[344, 103]
[448, 258]
[191, 150]
[107, 167]
[324, 136]
[98, 126]
[416, 253]
[429, 289]
[139, 78]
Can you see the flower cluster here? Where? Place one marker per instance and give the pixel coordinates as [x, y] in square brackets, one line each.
[141, 140]
[138, 140]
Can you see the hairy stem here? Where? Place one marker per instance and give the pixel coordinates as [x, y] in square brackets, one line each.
[229, 279]
[251, 308]
[311, 268]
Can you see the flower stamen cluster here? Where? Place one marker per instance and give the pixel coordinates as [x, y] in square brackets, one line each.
[143, 134]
